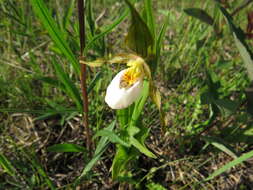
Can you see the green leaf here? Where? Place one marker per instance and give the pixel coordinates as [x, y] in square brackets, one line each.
[71, 89]
[55, 33]
[111, 136]
[222, 145]
[121, 159]
[200, 14]
[132, 130]
[68, 13]
[94, 82]
[66, 147]
[122, 117]
[6, 165]
[139, 38]
[141, 147]
[89, 17]
[139, 105]
[101, 147]
[226, 106]
[160, 38]
[231, 164]
[239, 38]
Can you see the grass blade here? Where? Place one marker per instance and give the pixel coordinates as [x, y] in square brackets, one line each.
[71, 89]
[66, 147]
[106, 30]
[94, 82]
[68, 14]
[220, 144]
[231, 164]
[6, 165]
[90, 19]
[56, 35]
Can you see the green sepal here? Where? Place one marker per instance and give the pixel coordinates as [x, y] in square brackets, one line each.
[139, 38]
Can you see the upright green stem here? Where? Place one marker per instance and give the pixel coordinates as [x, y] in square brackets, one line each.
[83, 72]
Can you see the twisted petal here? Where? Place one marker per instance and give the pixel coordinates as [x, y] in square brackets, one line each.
[120, 98]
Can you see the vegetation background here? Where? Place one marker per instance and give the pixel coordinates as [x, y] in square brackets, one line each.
[205, 96]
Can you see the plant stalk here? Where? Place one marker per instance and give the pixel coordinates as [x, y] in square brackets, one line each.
[83, 76]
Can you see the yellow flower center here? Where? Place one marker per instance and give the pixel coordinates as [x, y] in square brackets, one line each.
[132, 74]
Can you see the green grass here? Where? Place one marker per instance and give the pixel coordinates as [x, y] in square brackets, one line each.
[38, 110]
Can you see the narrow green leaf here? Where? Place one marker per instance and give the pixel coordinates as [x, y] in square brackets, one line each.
[55, 33]
[94, 82]
[68, 13]
[200, 14]
[71, 89]
[140, 104]
[161, 37]
[111, 136]
[46, 116]
[239, 38]
[66, 147]
[6, 165]
[150, 17]
[231, 164]
[105, 31]
[90, 18]
[222, 145]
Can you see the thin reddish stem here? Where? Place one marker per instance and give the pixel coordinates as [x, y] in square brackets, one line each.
[84, 73]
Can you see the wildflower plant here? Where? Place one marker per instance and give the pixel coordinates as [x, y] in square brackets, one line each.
[130, 88]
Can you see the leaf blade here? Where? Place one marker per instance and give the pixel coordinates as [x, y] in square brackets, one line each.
[55, 33]
[66, 147]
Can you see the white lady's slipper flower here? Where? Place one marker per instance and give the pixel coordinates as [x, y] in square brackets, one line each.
[126, 86]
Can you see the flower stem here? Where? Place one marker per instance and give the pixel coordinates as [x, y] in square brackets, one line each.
[84, 73]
